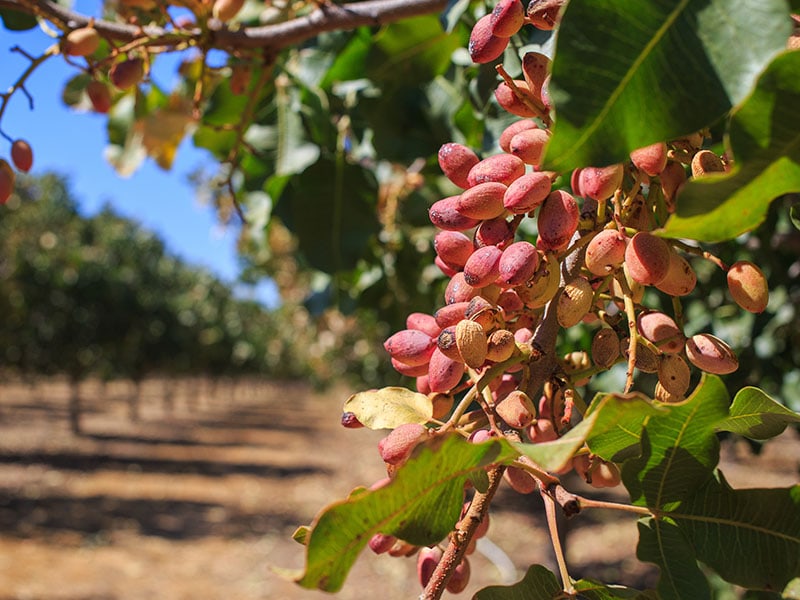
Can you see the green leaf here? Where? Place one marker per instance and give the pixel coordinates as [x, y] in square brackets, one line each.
[750, 537]
[15, 20]
[627, 75]
[421, 506]
[792, 591]
[661, 542]
[765, 141]
[389, 407]
[74, 94]
[294, 152]
[607, 424]
[755, 415]
[300, 534]
[539, 583]
[331, 209]
[679, 449]
[596, 590]
[618, 431]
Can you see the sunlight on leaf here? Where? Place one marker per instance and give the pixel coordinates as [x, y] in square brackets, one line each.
[389, 407]
[757, 416]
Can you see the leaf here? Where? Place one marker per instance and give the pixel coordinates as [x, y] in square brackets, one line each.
[619, 429]
[74, 94]
[331, 210]
[792, 591]
[300, 534]
[294, 152]
[539, 583]
[750, 537]
[679, 449]
[452, 13]
[601, 424]
[765, 141]
[626, 75]
[755, 415]
[163, 130]
[15, 20]
[421, 506]
[595, 590]
[794, 215]
[662, 543]
[389, 407]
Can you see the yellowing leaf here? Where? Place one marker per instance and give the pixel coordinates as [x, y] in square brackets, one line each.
[389, 407]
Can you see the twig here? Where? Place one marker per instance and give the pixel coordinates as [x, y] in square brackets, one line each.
[589, 503]
[552, 525]
[461, 537]
[331, 17]
[19, 84]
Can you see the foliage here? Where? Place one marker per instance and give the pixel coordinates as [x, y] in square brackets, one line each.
[325, 126]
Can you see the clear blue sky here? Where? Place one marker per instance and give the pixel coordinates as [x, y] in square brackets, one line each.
[72, 143]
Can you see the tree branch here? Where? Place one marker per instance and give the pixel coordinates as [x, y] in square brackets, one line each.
[328, 17]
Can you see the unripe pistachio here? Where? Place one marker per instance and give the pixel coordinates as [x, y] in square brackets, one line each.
[748, 286]
[672, 177]
[647, 258]
[535, 68]
[512, 130]
[651, 159]
[471, 342]
[455, 161]
[527, 193]
[99, 95]
[501, 168]
[482, 201]
[520, 480]
[600, 183]
[518, 263]
[444, 215]
[22, 155]
[710, 354]
[381, 543]
[127, 74]
[705, 162]
[516, 409]
[558, 220]
[7, 177]
[529, 145]
[680, 279]
[661, 330]
[519, 102]
[674, 374]
[443, 373]
[605, 347]
[507, 18]
[225, 10]
[483, 266]
[574, 302]
[396, 447]
[500, 345]
[484, 46]
[410, 346]
[409, 370]
[427, 561]
[81, 42]
[605, 252]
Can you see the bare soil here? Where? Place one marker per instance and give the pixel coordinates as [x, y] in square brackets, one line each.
[198, 498]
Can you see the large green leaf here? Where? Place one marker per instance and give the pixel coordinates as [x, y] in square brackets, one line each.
[16, 20]
[608, 425]
[330, 207]
[661, 542]
[679, 449]
[595, 590]
[539, 583]
[750, 537]
[765, 141]
[755, 415]
[421, 505]
[617, 433]
[629, 74]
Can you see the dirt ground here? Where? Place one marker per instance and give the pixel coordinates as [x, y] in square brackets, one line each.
[198, 498]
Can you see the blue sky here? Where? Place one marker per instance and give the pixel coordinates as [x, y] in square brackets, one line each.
[72, 144]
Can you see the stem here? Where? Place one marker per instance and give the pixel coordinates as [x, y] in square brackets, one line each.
[461, 537]
[328, 17]
[19, 84]
[540, 111]
[639, 510]
[699, 252]
[552, 525]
